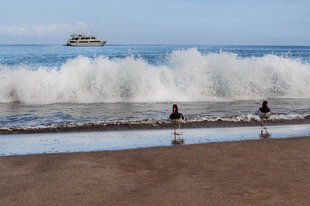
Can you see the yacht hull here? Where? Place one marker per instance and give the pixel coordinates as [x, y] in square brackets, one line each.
[102, 43]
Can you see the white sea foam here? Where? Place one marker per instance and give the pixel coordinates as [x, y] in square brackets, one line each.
[252, 117]
[187, 75]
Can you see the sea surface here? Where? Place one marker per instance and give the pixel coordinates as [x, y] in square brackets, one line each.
[51, 86]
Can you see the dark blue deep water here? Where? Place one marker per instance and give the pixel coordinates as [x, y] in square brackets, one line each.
[56, 55]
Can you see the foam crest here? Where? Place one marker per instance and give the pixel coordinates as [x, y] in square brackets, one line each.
[187, 76]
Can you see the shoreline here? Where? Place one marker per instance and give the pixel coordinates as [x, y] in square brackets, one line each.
[24, 144]
[145, 125]
[255, 172]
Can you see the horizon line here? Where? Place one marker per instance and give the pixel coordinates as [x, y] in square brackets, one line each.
[163, 44]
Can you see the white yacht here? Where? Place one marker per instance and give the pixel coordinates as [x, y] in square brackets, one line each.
[84, 40]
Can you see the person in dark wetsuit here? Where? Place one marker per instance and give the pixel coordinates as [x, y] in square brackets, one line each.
[264, 113]
[176, 118]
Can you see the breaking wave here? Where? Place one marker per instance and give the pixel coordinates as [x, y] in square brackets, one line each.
[186, 76]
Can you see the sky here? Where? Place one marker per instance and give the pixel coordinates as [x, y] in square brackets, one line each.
[209, 22]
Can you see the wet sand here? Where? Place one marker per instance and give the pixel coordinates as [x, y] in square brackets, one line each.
[255, 172]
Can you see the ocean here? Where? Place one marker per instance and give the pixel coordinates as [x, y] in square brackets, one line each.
[52, 87]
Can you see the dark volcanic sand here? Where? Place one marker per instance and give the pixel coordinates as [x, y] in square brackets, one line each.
[262, 172]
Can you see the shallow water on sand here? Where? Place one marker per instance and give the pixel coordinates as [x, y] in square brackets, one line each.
[120, 140]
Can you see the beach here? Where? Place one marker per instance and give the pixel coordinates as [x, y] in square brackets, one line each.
[252, 172]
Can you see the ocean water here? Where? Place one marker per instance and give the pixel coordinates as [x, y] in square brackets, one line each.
[48, 86]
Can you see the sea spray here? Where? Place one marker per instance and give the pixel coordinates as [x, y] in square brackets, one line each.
[186, 76]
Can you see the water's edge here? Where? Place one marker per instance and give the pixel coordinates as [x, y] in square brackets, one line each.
[133, 139]
[145, 125]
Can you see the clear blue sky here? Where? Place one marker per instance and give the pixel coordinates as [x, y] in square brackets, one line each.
[230, 22]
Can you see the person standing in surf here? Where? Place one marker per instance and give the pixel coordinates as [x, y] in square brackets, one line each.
[176, 118]
[264, 113]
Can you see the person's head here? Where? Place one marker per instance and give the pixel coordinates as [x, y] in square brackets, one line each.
[175, 108]
[265, 104]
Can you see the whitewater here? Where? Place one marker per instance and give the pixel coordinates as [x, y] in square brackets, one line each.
[48, 86]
